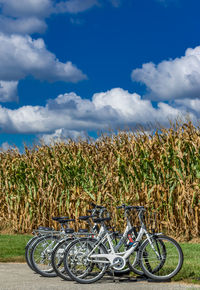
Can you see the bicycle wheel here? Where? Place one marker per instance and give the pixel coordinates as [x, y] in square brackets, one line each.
[28, 251]
[81, 268]
[41, 255]
[57, 258]
[134, 263]
[161, 259]
[134, 259]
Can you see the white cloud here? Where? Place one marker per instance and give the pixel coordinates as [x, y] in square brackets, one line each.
[130, 106]
[43, 8]
[172, 79]
[189, 104]
[8, 91]
[115, 109]
[62, 135]
[24, 16]
[21, 56]
[25, 8]
[5, 146]
[22, 25]
[28, 16]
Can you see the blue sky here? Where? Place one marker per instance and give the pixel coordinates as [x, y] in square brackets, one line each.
[72, 68]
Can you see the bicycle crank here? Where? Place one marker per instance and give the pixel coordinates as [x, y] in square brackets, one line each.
[118, 263]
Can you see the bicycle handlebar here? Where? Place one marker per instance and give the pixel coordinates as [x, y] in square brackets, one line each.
[129, 207]
[97, 206]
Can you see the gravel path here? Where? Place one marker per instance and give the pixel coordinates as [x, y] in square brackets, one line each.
[14, 276]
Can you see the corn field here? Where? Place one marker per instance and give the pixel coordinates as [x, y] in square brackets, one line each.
[160, 171]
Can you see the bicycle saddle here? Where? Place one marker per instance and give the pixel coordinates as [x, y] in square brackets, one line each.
[86, 217]
[99, 220]
[63, 219]
[56, 218]
[69, 231]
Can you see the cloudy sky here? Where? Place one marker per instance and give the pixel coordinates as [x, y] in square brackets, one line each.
[69, 68]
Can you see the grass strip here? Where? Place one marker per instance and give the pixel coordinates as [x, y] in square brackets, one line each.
[190, 271]
[12, 247]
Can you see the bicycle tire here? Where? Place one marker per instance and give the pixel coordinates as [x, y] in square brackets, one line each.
[28, 250]
[39, 246]
[85, 244]
[57, 264]
[174, 256]
[135, 266]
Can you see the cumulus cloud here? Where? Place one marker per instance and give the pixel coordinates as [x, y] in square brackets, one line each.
[21, 56]
[62, 135]
[115, 109]
[24, 16]
[22, 25]
[190, 104]
[172, 79]
[8, 91]
[28, 16]
[5, 146]
[122, 101]
[43, 8]
[25, 8]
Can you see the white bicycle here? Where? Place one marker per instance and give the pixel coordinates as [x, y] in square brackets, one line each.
[160, 257]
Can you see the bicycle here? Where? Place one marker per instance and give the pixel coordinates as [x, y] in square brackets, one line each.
[41, 248]
[38, 233]
[58, 251]
[86, 260]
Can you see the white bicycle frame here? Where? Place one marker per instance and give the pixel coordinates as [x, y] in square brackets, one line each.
[112, 255]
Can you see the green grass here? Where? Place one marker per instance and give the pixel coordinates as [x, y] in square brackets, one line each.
[12, 247]
[190, 271]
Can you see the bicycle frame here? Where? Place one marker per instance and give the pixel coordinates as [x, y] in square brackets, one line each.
[113, 254]
[125, 234]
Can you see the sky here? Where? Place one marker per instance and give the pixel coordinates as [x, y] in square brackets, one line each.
[73, 68]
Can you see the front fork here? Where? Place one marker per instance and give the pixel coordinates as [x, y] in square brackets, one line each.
[154, 238]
